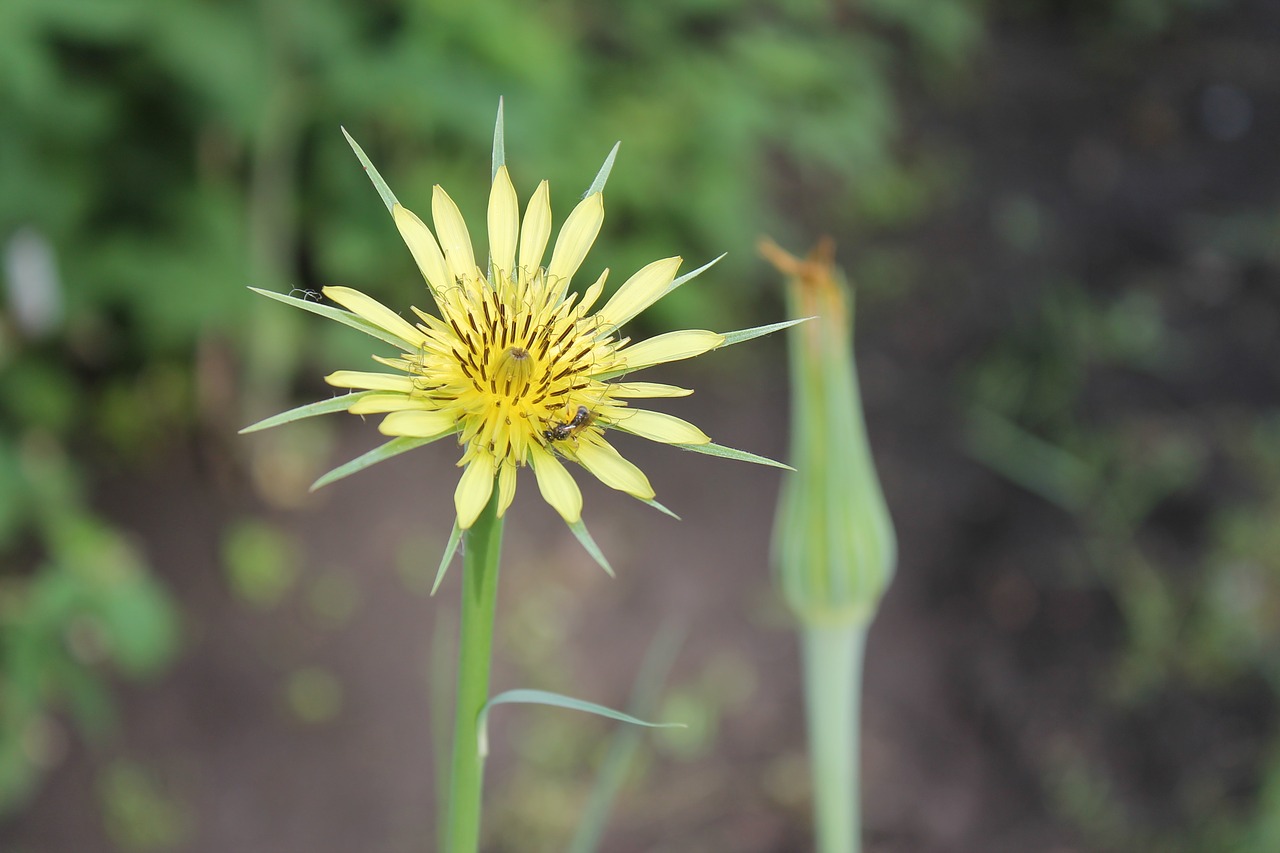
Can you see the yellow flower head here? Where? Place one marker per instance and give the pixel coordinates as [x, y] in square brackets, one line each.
[516, 365]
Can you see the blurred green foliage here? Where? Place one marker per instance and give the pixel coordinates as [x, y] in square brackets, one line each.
[140, 815]
[160, 157]
[261, 562]
[1198, 605]
[172, 153]
[88, 604]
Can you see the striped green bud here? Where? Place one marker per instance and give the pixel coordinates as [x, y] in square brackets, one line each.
[834, 548]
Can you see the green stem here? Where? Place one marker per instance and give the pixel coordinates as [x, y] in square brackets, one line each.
[482, 546]
[833, 686]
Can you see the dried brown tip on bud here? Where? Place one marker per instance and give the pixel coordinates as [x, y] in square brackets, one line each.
[817, 266]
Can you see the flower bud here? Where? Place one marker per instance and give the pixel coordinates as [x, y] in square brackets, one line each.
[834, 548]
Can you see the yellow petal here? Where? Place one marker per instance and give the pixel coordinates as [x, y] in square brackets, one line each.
[601, 459]
[639, 292]
[646, 389]
[672, 346]
[474, 489]
[376, 313]
[506, 488]
[536, 229]
[419, 424]
[556, 484]
[504, 222]
[422, 245]
[574, 241]
[370, 381]
[592, 293]
[455, 242]
[377, 404]
[657, 426]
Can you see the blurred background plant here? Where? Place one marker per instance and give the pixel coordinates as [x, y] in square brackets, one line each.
[1062, 222]
[156, 159]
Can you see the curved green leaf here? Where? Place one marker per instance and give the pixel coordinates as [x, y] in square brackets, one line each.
[645, 694]
[542, 697]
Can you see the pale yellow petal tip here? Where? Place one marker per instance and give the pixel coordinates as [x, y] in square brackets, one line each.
[556, 485]
[474, 488]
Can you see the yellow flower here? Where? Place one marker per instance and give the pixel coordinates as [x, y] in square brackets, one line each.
[516, 365]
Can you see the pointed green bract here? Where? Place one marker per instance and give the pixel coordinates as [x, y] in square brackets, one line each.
[310, 410]
[723, 452]
[676, 282]
[346, 318]
[450, 549]
[689, 276]
[394, 447]
[556, 700]
[499, 144]
[388, 197]
[731, 338]
[659, 507]
[602, 177]
[580, 530]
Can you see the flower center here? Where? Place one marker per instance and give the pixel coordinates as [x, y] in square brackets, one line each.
[513, 370]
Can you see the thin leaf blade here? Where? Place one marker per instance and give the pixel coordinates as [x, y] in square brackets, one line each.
[394, 447]
[499, 143]
[346, 318]
[450, 549]
[388, 197]
[526, 696]
[731, 338]
[602, 177]
[580, 530]
[334, 404]
[713, 449]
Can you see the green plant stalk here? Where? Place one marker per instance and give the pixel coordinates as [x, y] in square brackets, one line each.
[833, 686]
[483, 546]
